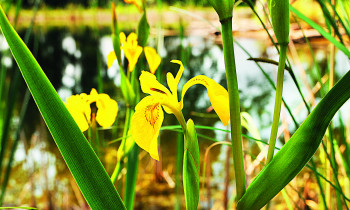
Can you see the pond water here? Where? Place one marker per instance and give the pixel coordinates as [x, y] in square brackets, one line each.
[71, 59]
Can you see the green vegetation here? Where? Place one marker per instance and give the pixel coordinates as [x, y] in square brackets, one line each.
[308, 163]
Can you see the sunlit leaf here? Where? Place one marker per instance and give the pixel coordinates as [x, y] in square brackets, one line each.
[143, 30]
[296, 153]
[325, 34]
[81, 160]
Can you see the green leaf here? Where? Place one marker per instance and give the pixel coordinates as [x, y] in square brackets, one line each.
[116, 47]
[191, 167]
[143, 30]
[295, 154]
[81, 160]
[127, 90]
[325, 34]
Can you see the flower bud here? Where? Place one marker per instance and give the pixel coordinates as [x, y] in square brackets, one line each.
[224, 8]
[191, 167]
[279, 11]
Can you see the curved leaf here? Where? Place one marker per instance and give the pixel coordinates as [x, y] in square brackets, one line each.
[294, 155]
[81, 160]
[325, 34]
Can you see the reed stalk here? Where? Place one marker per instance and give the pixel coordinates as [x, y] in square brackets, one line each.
[278, 101]
[235, 117]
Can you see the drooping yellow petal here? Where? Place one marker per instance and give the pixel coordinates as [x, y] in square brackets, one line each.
[80, 111]
[107, 110]
[131, 49]
[111, 57]
[146, 123]
[153, 58]
[149, 84]
[218, 96]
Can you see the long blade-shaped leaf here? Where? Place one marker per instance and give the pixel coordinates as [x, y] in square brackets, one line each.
[294, 155]
[325, 34]
[81, 160]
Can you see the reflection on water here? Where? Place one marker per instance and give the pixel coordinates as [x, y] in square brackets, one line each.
[71, 58]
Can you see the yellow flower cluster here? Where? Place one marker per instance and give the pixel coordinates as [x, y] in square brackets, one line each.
[133, 51]
[79, 108]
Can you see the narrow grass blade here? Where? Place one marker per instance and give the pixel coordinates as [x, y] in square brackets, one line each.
[339, 17]
[295, 154]
[347, 146]
[325, 34]
[334, 166]
[330, 19]
[12, 96]
[84, 165]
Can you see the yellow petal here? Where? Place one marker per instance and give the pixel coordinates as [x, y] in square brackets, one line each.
[146, 123]
[107, 110]
[122, 37]
[132, 39]
[80, 111]
[132, 55]
[174, 82]
[153, 58]
[179, 73]
[92, 97]
[218, 96]
[149, 84]
[131, 49]
[111, 57]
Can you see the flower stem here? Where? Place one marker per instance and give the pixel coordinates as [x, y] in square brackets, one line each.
[116, 172]
[180, 117]
[278, 101]
[235, 117]
[117, 168]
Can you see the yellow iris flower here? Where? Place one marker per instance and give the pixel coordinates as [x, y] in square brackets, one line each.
[131, 48]
[79, 108]
[148, 116]
[133, 51]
